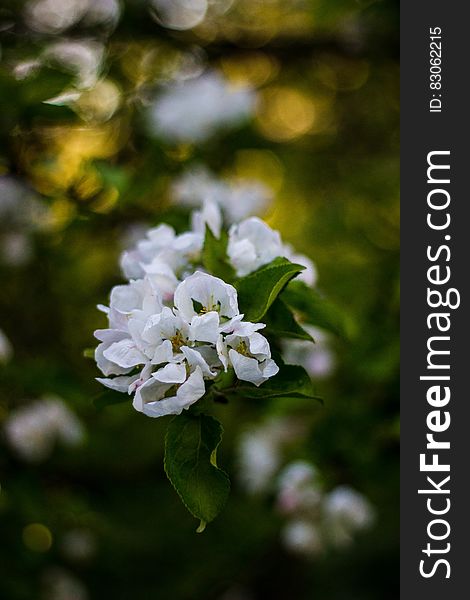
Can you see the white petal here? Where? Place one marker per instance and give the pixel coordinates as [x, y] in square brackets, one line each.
[171, 373]
[125, 354]
[195, 359]
[106, 366]
[110, 335]
[246, 329]
[269, 368]
[205, 328]
[192, 390]
[246, 368]
[222, 352]
[124, 298]
[163, 353]
[148, 394]
[259, 346]
[120, 384]
[188, 393]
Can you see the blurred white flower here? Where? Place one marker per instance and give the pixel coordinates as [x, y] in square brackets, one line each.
[180, 14]
[345, 512]
[56, 16]
[83, 58]
[302, 537]
[238, 198]
[309, 274]
[6, 349]
[78, 544]
[260, 452]
[60, 584]
[317, 359]
[33, 430]
[16, 248]
[259, 459]
[252, 244]
[194, 109]
[21, 214]
[298, 488]
[209, 215]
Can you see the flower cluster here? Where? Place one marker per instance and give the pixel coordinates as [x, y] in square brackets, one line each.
[318, 519]
[32, 430]
[174, 327]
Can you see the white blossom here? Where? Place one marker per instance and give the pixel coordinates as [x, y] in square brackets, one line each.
[209, 215]
[32, 430]
[298, 488]
[192, 110]
[151, 398]
[201, 293]
[309, 274]
[249, 355]
[260, 452]
[237, 198]
[302, 537]
[318, 359]
[252, 244]
[346, 511]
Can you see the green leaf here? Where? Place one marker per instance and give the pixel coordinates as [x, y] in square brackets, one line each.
[292, 381]
[190, 463]
[316, 310]
[257, 291]
[108, 398]
[280, 322]
[214, 256]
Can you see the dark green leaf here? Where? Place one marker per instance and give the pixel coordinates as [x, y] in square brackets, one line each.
[214, 256]
[316, 310]
[190, 463]
[281, 322]
[291, 381]
[257, 291]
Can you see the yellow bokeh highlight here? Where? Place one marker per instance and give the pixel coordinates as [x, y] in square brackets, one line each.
[254, 69]
[37, 537]
[285, 113]
[261, 165]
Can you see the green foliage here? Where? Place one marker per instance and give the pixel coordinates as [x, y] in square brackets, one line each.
[316, 310]
[281, 322]
[258, 290]
[214, 256]
[191, 465]
[292, 381]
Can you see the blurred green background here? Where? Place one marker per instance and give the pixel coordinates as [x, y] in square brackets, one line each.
[95, 517]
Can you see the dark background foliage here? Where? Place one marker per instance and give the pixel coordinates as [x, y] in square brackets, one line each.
[325, 138]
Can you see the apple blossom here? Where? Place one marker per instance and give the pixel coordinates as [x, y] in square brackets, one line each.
[252, 244]
[192, 110]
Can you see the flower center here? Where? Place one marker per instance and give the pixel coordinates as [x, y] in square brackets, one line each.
[177, 341]
[242, 349]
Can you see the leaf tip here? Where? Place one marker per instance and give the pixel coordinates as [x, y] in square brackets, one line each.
[202, 526]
